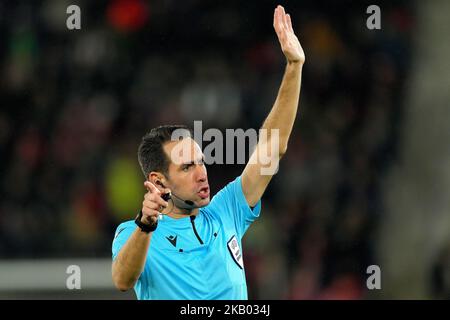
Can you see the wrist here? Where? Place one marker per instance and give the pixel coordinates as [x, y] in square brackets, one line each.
[144, 225]
[295, 63]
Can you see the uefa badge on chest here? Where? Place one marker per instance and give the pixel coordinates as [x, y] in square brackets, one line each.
[235, 251]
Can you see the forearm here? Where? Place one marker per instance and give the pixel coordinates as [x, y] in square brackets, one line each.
[263, 162]
[130, 261]
[284, 110]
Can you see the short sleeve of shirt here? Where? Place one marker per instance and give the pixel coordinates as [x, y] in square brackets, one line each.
[230, 203]
[123, 232]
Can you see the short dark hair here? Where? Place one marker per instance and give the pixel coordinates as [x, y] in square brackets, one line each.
[151, 155]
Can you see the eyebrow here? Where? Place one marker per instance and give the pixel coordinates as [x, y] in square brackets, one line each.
[193, 161]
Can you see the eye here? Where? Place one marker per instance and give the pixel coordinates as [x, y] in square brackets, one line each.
[186, 167]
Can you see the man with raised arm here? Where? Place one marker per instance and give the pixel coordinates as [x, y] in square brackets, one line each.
[195, 251]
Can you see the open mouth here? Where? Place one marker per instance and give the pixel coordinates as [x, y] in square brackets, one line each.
[203, 192]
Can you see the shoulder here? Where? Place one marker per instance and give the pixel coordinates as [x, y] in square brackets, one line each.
[230, 189]
[127, 225]
[224, 201]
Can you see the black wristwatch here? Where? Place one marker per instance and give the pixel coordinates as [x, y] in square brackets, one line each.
[145, 227]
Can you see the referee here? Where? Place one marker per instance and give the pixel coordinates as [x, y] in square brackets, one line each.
[195, 250]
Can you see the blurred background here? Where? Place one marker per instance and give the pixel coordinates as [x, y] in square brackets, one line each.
[365, 180]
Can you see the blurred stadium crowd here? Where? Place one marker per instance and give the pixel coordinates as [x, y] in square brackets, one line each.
[74, 105]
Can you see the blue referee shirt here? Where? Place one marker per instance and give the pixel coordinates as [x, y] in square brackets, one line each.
[198, 258]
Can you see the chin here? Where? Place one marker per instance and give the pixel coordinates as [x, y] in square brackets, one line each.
[203, 202]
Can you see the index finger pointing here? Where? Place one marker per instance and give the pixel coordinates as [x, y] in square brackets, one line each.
[151, 187]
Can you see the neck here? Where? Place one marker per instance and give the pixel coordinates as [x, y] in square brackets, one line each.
[178, 213]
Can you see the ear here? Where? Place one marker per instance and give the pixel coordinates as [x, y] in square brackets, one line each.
[157, 179]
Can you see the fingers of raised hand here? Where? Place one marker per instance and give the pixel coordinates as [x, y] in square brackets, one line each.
[289, 22]
[278, 20]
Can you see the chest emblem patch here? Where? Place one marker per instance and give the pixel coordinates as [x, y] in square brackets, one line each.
[235, 251]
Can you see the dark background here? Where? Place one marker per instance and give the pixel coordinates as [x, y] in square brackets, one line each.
[74, 105]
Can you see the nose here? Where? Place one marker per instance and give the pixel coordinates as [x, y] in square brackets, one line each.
[200, 174]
